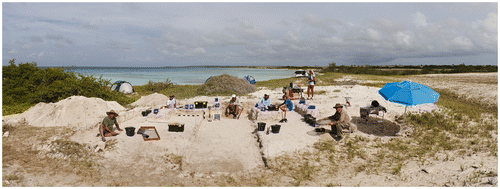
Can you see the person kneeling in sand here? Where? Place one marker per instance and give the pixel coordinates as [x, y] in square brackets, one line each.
[106, 128]
[339, 120]
[286, 106]
[234, 107]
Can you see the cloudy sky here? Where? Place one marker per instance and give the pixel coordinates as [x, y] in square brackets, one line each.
[180, 34]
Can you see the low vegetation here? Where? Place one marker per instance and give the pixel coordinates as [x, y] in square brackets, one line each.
[46, 151]
[226, 85]
[409, 70]
[157, 86]
[25, 84]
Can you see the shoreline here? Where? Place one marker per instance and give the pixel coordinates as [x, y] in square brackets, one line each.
[175, 67]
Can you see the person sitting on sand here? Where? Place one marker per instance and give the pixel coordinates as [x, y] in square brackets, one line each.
[265, 102]
[106, 129]
[286, 106]
[172, 102]
[234, 107]
[339, 120]
[311, 80]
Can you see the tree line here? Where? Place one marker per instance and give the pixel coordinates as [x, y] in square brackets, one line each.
[409, 70]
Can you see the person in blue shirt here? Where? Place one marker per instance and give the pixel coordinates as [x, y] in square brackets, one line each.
[286, 106]
[265, 102]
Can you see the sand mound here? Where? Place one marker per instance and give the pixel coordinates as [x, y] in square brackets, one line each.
[76, 111]
[226, 84]
[154, 99]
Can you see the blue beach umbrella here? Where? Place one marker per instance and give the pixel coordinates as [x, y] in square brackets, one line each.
[408, 93]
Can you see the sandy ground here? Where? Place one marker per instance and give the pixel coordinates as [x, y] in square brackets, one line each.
[209, 149]
[482, 86]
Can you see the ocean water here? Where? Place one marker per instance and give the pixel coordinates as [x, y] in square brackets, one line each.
[181, 76]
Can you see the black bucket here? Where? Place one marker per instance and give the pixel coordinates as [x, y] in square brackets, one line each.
[261, 126]
[275, 128]
[130, 131]
[320, 130]
[146, 113]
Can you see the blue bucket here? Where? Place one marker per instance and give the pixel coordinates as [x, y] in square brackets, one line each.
[191, 106]
[155, 111]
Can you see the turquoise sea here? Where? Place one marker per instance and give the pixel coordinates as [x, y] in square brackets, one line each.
[181, 75]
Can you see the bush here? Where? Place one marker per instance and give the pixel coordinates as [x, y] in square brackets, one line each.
[25, 85]
[331, 67]
[156, 87]
[226, 85]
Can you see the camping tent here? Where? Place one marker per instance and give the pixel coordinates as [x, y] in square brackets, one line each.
[250, 79]
[123, 87]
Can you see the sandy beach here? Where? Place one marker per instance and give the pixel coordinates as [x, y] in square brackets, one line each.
[231, 152]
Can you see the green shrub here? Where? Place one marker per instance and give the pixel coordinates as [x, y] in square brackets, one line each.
[25, 85]
[156, 87]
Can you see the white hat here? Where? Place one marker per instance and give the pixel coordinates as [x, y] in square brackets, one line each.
[233, 96]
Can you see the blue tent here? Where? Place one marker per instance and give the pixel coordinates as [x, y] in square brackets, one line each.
[250, 79]
[408, 93]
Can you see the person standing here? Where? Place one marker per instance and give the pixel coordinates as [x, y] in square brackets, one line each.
[311, 79]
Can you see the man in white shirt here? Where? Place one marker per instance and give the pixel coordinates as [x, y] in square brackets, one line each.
[265, 102]
[172, 102]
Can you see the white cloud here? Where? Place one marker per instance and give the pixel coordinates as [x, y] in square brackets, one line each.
[198, 50]
[13, 51]
[491, 23]
[373, 34]
[325, 24]
[26, 47]
[403, 39]
[333, 40]
[419, 19]
[463, 42]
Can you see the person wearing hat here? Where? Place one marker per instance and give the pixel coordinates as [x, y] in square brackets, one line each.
[106, 128]
[234, 107]
[172, 102]
[265, 102]
[338, 120]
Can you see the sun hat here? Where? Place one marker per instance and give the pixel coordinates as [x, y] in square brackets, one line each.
[233, 96]
[112, 112]
[337, 106]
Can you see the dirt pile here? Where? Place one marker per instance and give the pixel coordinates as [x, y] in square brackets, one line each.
[76, 111]
[154, 99]
[226, 85]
